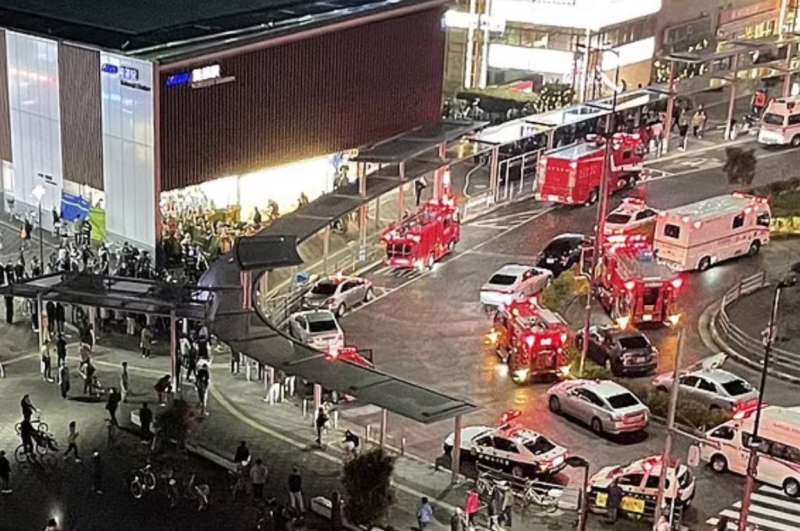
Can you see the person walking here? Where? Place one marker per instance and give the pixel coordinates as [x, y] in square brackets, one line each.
[697, 123]
[63, 380]
[146, 341]
[88, 377]
[471, 506]
[424, 514]
[242, 455]
[145, 420]
[202, 380]
[61, 349]
[683, 129]
[495, 510]
[507, 509]
[46, 362]
[72, 442]
[613, 502]
[258, 477]
[113, 404]
[97, 472]
[162, 387]
[124, 382]
[321, 423]
[419, 186]
[9, 300]
[5, 474]
[295, 484]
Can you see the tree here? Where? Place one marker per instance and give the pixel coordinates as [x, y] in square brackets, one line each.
[740, 165]
[367, 482]
[176, 423]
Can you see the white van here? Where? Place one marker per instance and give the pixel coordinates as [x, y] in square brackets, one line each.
[698, 235]
[780, 124]
[726, 447]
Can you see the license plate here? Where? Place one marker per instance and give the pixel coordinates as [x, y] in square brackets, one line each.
[639, 359]
[601, 500]
[647, 317]
[632, 505]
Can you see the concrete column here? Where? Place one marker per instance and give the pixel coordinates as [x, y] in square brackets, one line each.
[378, 213]
[670, 107]
[455, 455]
[173, 350]
[382, 435]
[269, 385]
[732, 100]
[494, 168]
[787, 79]
[40, 319]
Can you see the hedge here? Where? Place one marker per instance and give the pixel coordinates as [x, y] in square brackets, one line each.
[563, 290]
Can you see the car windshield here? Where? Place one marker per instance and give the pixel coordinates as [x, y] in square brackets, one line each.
[737, 387]
[633, 342]
[623, 400]
[618, 219]
[539, 446]
[773, 119]
[560, 246]
[315, 327]
[324, 288]
[502, 280]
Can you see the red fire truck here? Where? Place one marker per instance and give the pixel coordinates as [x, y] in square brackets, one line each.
[531, 339]
[633, 286]
[418, 240]
[572, 175]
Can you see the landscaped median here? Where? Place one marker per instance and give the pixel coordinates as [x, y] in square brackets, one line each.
[784, 198]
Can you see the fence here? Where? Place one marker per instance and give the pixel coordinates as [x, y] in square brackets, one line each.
[741, 341]
[516, 176]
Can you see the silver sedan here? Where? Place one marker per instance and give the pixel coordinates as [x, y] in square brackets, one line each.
[605, 406]
[338, 294]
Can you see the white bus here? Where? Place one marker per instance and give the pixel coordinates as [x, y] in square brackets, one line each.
[780, 124]
[698, 235]
[726, 447]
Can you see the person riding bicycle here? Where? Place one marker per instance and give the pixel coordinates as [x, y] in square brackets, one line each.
[27, 407]
[26, 434]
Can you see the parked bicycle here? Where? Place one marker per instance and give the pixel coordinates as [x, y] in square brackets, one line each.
[142, 480]
[193, 491]
[544, 497]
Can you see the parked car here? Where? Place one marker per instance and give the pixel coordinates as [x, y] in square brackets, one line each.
[318, 329]
[605, 406]
[562, 252]
[339, 293]
[620, 351]
[717, 388]
[514, 282]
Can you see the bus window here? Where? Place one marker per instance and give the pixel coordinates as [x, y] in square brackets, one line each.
[738, 221]
[723, 432]
[672, 231]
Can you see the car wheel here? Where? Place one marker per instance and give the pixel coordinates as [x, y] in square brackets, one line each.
[719, 464]
[795, 141]
[555, 405]
[754, 248]
[340, 310]
[791, 487]
[369, 295]
[704, 264]
[597, 426]
[517, 471]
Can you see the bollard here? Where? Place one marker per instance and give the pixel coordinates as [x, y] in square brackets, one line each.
[2, 371]
[336, 419]
[402, 446]
[305, 407]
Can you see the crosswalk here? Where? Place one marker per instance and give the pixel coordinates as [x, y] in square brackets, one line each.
[770, 510]
[505, 222]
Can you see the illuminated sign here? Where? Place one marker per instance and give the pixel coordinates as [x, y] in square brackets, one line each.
[204, 76]
[128, 75]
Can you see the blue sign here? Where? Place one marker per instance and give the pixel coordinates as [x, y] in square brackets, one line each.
[108, 68]
[179, 79]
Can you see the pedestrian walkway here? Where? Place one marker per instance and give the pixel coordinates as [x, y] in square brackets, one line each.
[770, 510]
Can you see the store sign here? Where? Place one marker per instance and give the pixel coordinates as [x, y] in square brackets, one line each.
[128, 75]
[747, 11]
[201, 77]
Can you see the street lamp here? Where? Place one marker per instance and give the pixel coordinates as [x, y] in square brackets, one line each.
[579, 462]
[38, 192]
[666, 458]
[602, 207]
[769, 340]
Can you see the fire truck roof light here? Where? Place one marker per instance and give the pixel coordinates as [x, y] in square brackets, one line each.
[685, 219]
[698, 224]
[508, 416]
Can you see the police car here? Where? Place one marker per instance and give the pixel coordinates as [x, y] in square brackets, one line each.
[521, 452]
[633, 216]
[639, 483]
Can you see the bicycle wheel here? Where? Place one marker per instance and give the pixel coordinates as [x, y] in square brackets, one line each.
[43, 428]
[136, 488]
[41, 448]
[20, 455]
[18, 428]
[149, 480]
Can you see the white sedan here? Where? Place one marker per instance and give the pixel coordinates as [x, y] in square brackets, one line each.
[514, 282]
[633, 216]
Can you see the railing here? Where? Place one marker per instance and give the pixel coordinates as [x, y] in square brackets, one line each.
[740, 340]
[516, 176]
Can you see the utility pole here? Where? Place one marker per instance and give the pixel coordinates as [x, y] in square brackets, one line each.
[673, 403]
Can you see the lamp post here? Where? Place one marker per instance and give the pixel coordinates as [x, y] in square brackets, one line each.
[673, 403]
[38, 192]
[579, 462]
[769, 339]
[602, 207]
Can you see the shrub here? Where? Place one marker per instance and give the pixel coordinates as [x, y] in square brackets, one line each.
[690, 413]
[367, 482]
[563, 290]
[740, 165]
[591, 370]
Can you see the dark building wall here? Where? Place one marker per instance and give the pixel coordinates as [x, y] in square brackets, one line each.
[81, 115]
[5, 109]
[319, 95]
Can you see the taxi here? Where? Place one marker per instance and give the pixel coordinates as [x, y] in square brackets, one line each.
[639, 483]
[509, 448]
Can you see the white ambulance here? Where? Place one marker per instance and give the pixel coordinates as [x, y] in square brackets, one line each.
[698, 235]
[780, 124]
[726, 447]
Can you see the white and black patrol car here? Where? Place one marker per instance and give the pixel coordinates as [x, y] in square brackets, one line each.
[521, 452]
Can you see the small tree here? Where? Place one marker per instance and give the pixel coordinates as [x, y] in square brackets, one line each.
[176, 423]
[367, 480]
[740, 165]
[563, 290]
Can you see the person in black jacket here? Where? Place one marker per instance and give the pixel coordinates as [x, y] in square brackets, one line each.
[61, 349]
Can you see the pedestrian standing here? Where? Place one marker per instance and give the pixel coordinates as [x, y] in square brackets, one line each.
[72, 442]
[683, 130]
[236, 360]
[162, 387]
[5, 474]
[472, 506]
[63, 380]
[9, 300]
[61, 317]
[146, 341]
[145, 420]
[124, 382]
[508, 507]
[88, 377]
[296, 491]
[424, 514]
[458, 521]
[495, 510]
[613, 502]
[61, 349]
[50, 312]
[27, 407]
[321, 423]
[697, 122]
[97, 472]
[242, 455]
[130, 324]
[419, 185]
[201, 383]
[113, 404]
[46, 362]
[258, 477]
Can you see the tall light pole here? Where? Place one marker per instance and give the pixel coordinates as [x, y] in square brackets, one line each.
[602, 207]
[38, 192]
[666, 458]
[769, 339]
[579, 462]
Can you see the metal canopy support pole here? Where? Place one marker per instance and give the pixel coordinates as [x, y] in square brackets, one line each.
[787, 79]
[732, 102]
[382, 435]
[39, 319]
[317, 402]
[401, 192]
[247, 294]
[269, 385]
[438, 176]
[326, 247]
[363, 211]
[455, 453]
[173, 349]
[585, 78]
[494, 168]
[667, 132]
[378, 213]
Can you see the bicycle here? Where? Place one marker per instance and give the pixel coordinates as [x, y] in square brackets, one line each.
[548, 499]
[143, 480]
[237, 483]
[37, 422]
[191, 490]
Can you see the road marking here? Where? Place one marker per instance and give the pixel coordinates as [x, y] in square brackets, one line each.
[762, 511]
[505, 256]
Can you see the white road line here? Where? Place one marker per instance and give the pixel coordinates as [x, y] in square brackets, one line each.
[762, 523]
[781, 515]
[776, 502]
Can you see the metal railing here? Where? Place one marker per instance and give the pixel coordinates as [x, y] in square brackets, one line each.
[516, 176]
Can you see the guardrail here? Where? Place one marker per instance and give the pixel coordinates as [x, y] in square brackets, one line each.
[741, 341]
